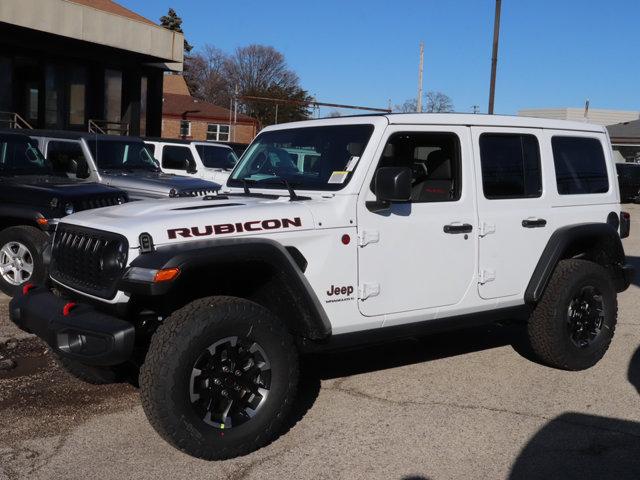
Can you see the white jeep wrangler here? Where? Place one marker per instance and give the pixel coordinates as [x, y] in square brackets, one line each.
[400, 225]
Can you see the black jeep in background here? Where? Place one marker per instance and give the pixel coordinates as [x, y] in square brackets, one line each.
[629, 181]
[32, 198]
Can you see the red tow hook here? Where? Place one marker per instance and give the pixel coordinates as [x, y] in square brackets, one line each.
[67, 308]
[27, 287]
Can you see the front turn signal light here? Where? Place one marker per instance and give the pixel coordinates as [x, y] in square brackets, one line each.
[166, 275]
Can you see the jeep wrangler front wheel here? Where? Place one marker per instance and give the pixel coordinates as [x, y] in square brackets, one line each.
[219, 378]
[573, 324]
[21, 259]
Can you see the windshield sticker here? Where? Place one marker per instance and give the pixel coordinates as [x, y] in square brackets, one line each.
[338, 177]
[353, 161]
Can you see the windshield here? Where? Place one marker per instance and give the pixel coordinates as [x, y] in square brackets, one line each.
[313, 158]
[217, 157]
[122, 155]
[20, 156]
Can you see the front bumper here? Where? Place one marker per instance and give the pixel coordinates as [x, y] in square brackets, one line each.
[76, 331]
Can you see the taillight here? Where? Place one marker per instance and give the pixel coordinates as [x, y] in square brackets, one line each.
[625, 224]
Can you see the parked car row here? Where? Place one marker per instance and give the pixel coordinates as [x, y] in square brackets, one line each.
[47, 175]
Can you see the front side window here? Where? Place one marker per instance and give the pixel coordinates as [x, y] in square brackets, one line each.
[218, 133]
[434, 160]
[217, 157]
[185, 128]
[121, 155]
[268, 161]
[510, 166]
[21, 156]
[63, 154]
[580, 165]
[176, 158]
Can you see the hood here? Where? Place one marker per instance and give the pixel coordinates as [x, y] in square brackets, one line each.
[39, 190]
[159, 185]
[193, 219]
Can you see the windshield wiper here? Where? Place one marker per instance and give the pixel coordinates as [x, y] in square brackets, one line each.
[293, 196]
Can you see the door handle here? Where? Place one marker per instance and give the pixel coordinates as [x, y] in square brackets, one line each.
[534, 222]
[460, 228]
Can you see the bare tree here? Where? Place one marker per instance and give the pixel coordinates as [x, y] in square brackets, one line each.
[255, 70]
[334, 114]
[438, 102]
[409, 106]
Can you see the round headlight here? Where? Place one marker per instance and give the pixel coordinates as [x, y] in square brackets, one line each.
[54, 202]
[173, 193]
[68, 208]
[121, 200]
[114, 258]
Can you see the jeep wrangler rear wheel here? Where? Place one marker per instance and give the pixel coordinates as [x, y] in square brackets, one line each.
[220, 378]
[21, 260]
[573, 324]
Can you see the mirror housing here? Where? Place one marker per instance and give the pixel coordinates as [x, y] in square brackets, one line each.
[190, 166]
[392, 185]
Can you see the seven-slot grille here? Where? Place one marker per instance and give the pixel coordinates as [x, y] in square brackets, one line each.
[196, 192]
[77, 259]
[98, 202]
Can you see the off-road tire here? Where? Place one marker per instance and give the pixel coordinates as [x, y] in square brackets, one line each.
[93, 375]
[36, 241]
[547, 328]
[176, 346]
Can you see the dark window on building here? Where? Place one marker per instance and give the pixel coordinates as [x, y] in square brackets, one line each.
[77, 96]
[510, 166]
[217, 157]
[580, 165]
[61, 155]
[185, 128]
[113, 95]
[6, 91]
[144, 89]
[434, 159]
[176, 158]
[54, 96]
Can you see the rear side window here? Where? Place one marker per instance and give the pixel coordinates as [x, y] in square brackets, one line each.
[580, 165]
[176, 158]
[510, 166]
[152, 148]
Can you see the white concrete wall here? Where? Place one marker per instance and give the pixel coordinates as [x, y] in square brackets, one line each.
[68, 19]
[597, 116]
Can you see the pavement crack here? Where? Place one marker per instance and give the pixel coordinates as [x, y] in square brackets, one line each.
[360, 394]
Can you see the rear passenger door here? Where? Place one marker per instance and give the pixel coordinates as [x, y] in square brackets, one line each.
[513, 208]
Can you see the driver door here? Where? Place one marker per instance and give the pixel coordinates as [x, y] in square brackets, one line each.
[420, 254]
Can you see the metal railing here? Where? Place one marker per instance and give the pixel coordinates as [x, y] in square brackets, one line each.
[13, 120]
[106, 127]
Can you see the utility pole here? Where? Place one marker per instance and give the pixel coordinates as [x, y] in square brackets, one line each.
[420, 77]
[494, 57]
[586, 109]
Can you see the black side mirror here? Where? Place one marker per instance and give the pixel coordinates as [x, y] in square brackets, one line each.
[81, 169]
[392, 184]
[190, 166]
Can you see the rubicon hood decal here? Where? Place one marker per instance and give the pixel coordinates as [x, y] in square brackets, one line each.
[227, 228]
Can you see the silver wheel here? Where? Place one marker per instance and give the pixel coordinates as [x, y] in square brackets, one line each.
[16, 263]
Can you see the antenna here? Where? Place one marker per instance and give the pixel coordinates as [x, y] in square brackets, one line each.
[420, 71]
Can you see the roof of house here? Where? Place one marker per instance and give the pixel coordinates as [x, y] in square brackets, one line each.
[175, 84]
[185, 106]
[626, 130]
[113, 7]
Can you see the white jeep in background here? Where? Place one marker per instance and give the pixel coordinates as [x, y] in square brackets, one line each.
[206, 160]
[398, 225]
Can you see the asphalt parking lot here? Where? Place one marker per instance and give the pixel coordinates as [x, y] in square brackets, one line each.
[460, 405]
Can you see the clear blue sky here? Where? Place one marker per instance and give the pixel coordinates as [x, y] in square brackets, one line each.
[552, 53]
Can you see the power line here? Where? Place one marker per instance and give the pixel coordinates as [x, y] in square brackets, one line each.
[312, 103]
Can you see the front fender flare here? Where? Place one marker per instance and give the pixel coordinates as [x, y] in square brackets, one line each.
[313, 322]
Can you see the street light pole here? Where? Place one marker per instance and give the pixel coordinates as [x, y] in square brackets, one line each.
[494, 57]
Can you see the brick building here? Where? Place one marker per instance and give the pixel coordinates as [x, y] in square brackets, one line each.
[186, 117]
